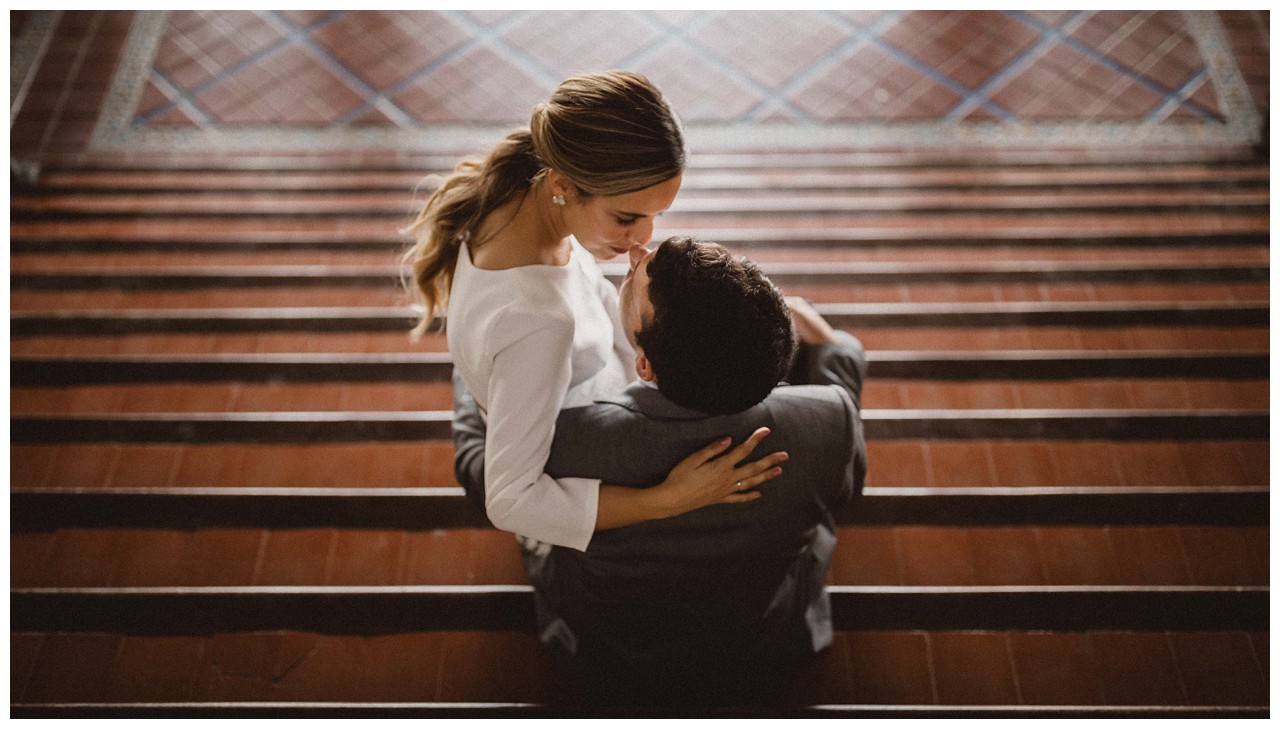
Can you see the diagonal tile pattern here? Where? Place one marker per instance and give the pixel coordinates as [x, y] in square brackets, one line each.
[385, 48]
[445, 66]
[444, 78]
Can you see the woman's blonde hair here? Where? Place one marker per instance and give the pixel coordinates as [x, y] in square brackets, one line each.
[607, 133]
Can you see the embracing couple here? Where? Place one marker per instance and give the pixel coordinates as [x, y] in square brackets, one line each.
[616, 432]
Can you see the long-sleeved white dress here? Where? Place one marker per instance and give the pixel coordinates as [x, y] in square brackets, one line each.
[528, 342]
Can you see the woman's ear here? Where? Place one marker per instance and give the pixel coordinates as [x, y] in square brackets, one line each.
[557, 184]
[643, 369]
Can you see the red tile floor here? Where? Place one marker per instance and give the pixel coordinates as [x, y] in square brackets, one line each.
[387, 82]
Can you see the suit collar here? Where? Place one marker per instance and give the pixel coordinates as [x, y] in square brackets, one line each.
[647, 400]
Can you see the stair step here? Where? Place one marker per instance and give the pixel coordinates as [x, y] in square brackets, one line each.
[866, 673]
[345, 427]
[447, 507]
[400, 203]
[418, 367]
[782, 274]
[501, 710]
[697, 179]
[398, 609]
[1137, 231]
[867, 315]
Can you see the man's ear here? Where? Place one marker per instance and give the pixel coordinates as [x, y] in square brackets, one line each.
[643, 369]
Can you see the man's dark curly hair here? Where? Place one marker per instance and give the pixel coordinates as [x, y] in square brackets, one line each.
[721, 336]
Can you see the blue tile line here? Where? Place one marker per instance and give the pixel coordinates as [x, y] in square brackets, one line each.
[681, 33]
[480, 38]
[1179, 98]
[1118, 67]
[230, 71]
[668, 34]
[177, 100]
[715, 60]
[942, 79]
[517, 57]
[1015, 66]
[858, 37]
[871, 34]
[476, 40]
[302, 37]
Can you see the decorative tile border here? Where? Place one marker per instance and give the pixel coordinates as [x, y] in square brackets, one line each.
[26, 54]
[115, 133]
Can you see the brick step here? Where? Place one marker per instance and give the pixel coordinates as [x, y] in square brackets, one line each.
[447, 507]
[697, 179]
[879, 394]
[1030, 292]
[958, 339]
[906, 555]
[935, 463]
[999, 255]
[397, 204]
[422, 368]
[393, 425]
[300, 710]
[918, 671]
[185, 610]
[1191, 229]
[719, 157]
[864, 316]
[389, 294]
[829, 274]
[1132, 337]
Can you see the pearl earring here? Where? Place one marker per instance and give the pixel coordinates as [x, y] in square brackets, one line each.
[557, 199]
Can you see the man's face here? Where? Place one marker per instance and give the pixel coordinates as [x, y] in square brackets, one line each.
[634, 295]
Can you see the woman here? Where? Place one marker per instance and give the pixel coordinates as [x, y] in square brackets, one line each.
[506, 247]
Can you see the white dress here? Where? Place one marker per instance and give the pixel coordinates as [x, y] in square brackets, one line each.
[528, 342]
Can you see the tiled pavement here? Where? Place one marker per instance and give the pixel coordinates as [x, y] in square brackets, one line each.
[450, 80]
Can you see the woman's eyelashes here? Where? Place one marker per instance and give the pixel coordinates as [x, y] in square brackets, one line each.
[625, 220]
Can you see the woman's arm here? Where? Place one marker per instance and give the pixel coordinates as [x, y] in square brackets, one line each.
[703, 478]
[529, 376]
[520, 498]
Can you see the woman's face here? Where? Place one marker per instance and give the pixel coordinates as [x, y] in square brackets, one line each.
[609, 226]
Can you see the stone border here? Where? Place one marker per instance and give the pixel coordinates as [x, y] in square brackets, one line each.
[114, 131]
[27, 52]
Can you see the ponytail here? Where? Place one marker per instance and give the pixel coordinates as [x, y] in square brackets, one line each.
[607, 133]
[453, 211]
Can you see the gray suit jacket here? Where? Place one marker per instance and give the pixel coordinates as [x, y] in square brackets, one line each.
[727, 584]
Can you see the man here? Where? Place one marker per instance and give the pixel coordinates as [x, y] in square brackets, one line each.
[713, 604]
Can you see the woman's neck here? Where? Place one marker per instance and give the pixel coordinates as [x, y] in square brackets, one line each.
[527, 230]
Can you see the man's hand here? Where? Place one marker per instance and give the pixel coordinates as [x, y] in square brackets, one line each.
[810, 326]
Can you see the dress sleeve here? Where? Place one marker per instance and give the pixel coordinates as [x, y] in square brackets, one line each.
[530, 376]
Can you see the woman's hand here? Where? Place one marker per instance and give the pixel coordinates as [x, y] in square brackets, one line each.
[706, 477]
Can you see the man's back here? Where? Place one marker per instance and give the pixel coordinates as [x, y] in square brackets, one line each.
[723, 586]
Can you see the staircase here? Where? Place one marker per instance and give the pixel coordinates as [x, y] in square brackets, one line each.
[232, 488]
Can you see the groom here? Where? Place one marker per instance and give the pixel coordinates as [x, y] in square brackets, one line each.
[716, 604]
